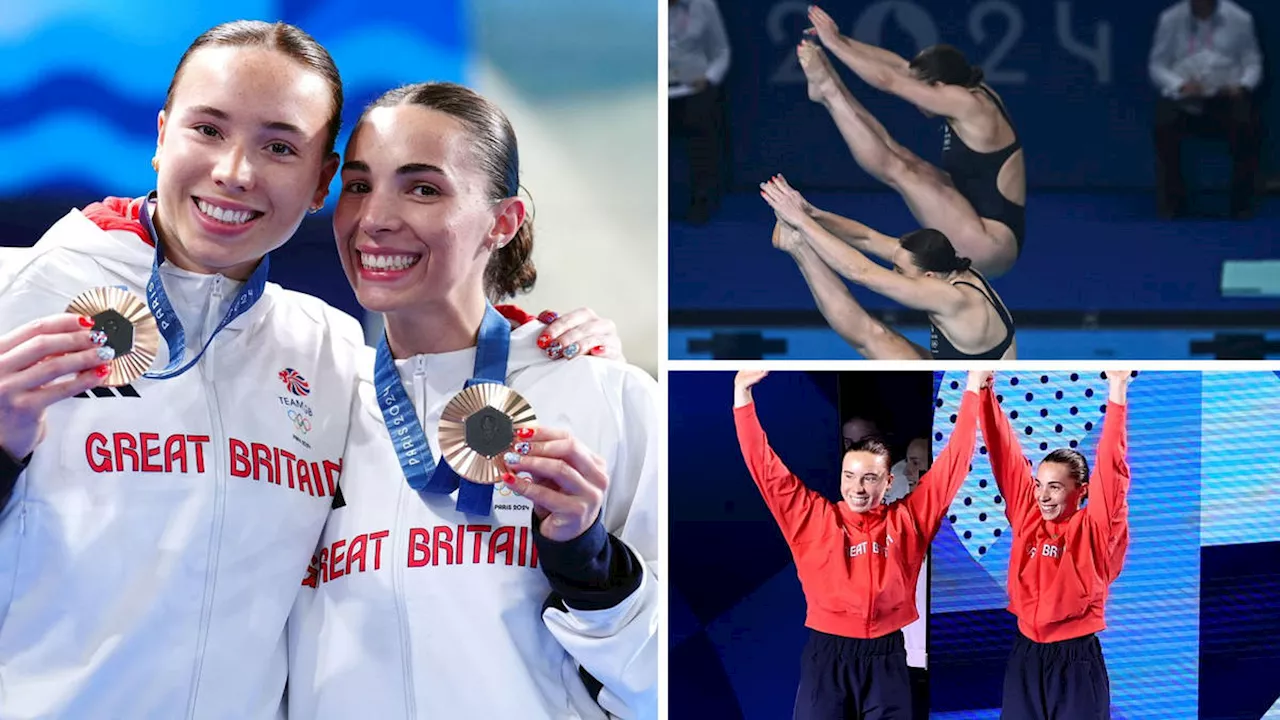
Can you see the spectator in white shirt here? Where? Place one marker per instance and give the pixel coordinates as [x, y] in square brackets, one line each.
[697, 62]
[1206, 64]
[915, 465]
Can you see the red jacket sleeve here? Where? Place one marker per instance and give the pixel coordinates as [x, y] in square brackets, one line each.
[939, 486]
[1108, 505]
[800, 512]
[1008, 464]
[116, 213]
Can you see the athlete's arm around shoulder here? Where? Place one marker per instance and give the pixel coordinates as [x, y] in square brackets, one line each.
[611, 629]
[938, 486]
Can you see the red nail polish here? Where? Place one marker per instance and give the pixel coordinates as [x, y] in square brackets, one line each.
[85, 322]
[597, 350]
[102, 371]
[509, 478]
[546, 317]
[524, 433]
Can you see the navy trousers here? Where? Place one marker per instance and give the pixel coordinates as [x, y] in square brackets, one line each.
[853, 679]
[1064, 680]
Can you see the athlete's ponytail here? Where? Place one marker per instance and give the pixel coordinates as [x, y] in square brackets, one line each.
[947, 65]
[933, 252]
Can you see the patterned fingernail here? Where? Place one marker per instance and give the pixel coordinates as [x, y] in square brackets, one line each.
[102, 371]
[511, 458]
[544, 341]
[572, 351]
[85, 322]
[106, 353]
[597, 350]
[555, 352]
[546, 317]
[98, 337]
[524, 433]
[523, 448]
[508, 478]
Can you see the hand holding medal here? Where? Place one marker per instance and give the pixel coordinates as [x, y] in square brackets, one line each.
[564, 480]
[42, 362]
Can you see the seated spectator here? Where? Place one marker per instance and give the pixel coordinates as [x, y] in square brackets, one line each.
[1206, 64]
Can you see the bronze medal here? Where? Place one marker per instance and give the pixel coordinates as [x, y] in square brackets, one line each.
[478, 425]
[130, 329]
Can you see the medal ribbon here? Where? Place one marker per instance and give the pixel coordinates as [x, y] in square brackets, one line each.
[167, 320]
[412, 449]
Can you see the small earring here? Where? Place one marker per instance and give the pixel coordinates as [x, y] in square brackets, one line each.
[155, 163]
[313, 210]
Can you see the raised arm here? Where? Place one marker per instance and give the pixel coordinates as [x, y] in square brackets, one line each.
[921, 293]
[796, 508]
[894, 76]
[825, 28]
[938, 487]
[1108, 505]
[1008, 464]
[856, 235]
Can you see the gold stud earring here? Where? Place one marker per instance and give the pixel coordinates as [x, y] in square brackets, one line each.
[155, 163]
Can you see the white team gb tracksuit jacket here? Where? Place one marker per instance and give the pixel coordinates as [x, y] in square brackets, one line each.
[419, 611]
[151, 551]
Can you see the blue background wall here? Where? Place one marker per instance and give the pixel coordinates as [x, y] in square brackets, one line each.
[1073, 74]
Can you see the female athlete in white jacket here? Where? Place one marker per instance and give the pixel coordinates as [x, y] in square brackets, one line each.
[152, 535]
[430, 598]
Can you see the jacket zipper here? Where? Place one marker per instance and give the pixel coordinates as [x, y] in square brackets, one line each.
[871, 592]
[218, 467]
[406, 645]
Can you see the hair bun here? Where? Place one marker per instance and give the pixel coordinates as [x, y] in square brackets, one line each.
[963, 264]
[975, 75]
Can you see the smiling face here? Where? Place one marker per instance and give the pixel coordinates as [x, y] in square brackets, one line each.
[415, 225]
[1057, 492]
[241, 156]
[864, 480]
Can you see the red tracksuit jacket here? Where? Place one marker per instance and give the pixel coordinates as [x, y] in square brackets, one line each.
[858, 570]
[1060, 571]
